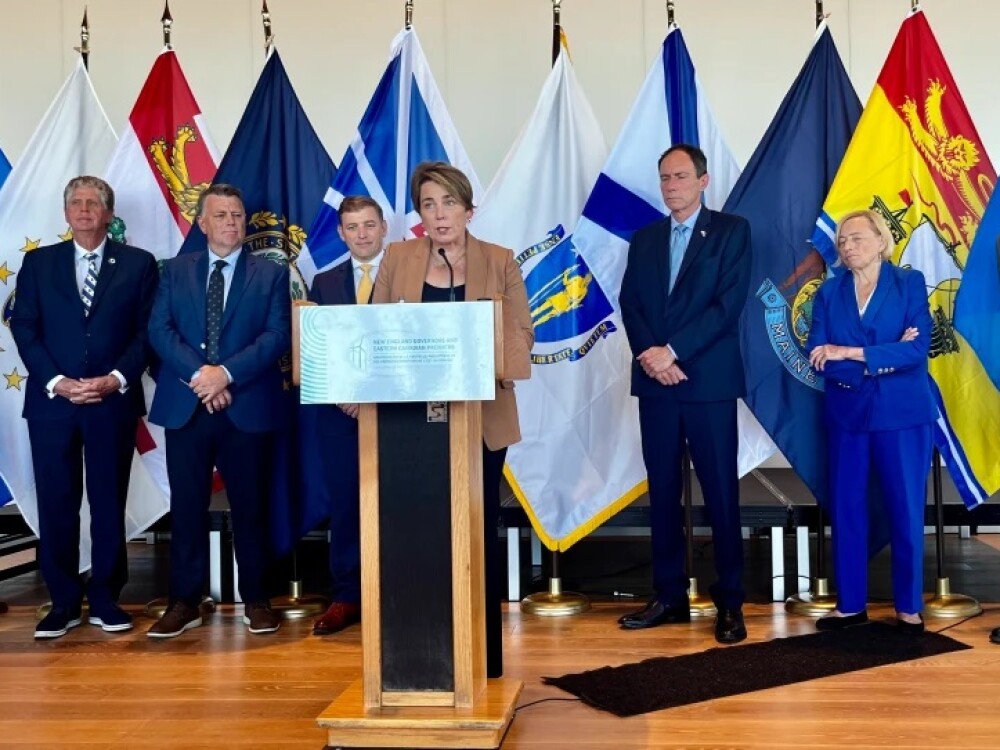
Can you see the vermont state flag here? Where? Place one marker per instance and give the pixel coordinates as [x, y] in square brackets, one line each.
[917, 160]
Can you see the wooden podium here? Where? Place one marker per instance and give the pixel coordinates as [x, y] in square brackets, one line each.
[423, 630]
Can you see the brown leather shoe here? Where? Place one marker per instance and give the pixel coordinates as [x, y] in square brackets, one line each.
[178, 618]
[261, 618]
[337, 617]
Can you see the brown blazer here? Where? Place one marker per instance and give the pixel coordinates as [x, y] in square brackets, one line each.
[489, 270]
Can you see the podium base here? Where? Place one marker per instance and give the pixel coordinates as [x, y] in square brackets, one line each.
[349, 724]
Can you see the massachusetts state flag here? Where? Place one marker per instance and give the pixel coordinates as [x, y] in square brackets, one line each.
[780, 193]
[406, 123]
[533, 203]
[278, 162]
[73, 138]
[164, 159]
[917, 159]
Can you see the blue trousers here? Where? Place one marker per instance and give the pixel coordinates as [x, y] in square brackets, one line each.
[711, 434]
[900, 459]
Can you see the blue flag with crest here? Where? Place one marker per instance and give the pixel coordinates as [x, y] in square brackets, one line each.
[781, 193]
[278, 162]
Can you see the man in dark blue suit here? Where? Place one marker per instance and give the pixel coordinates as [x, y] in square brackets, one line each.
[79, 322]
[219, 324]
[363, 229]
[685, 284]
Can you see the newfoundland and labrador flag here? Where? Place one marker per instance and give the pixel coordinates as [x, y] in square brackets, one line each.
[544, 181]
[780, 193]
[406, 123]
[164, 159]
[74, 137]
[278, 162]
[917, 159]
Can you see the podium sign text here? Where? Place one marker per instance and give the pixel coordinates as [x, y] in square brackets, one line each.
[400, 352]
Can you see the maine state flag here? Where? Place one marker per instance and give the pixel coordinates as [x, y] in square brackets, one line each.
[781, 193]
[278, 162]
[406, 123]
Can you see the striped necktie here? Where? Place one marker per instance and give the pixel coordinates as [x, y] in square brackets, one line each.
[89, 282]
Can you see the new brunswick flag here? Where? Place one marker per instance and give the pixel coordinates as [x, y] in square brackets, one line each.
[917, 160]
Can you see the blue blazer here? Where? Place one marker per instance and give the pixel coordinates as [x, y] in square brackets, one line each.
[891, 389]
[256, 333]
[700, 317]
[336, 287]
[55, 337]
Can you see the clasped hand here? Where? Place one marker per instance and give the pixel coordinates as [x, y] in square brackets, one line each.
[659, 363]
[211, 385]
[87, 390]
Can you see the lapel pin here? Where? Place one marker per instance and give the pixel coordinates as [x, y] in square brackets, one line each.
[703, 232]
[111, 261]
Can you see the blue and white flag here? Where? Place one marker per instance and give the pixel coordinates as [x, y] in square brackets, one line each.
[780, 193]
[406, 123]
[535, 199]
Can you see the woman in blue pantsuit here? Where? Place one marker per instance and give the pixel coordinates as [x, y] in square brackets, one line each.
[870, 334]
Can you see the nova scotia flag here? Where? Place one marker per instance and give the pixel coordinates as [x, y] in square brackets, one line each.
[406, 123]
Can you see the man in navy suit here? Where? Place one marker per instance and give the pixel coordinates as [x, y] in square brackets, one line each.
[79, 322]
[363, 228]
[219, 324]
[685, 284]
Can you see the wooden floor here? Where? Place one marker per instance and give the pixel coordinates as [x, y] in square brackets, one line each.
[218, 686]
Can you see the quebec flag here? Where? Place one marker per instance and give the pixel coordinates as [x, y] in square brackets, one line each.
[406, 123]
[600, 446]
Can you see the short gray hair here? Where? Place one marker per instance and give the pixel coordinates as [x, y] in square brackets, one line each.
[88, 181]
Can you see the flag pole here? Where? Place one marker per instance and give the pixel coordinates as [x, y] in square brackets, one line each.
[670, 13]
[84, 48]
[296, 604]
[167, 21]
[555, 602]
[944, 603]
[820, 598]
[408, 14]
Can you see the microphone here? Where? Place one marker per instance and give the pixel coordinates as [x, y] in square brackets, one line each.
[451, 274]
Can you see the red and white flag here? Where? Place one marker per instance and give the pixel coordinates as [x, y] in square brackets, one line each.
[164, 159]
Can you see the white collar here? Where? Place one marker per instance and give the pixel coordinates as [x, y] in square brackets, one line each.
[82, 252]
[356, 264]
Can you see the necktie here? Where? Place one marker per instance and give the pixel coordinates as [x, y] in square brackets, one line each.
[678, 244]
[89, 282]
[216, 297]
[364, 292]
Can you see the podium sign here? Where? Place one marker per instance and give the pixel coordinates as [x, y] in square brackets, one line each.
[354, 354]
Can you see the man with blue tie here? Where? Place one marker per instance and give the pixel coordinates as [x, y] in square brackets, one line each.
[363, 229]
[684, 287]
[220, 323]
[79, 322]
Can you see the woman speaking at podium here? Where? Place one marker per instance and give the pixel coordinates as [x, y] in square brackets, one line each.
[449, 264]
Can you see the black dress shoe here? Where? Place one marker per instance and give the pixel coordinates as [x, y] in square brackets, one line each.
[995, 635]
[655, 613]
[910, 628]
[729, 626]
[833, 622]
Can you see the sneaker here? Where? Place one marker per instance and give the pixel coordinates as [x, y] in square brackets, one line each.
[57, 623]
[261, 618]
[111, 618]
[179, 617]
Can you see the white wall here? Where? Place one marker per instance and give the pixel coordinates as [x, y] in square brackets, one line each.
[489, 57]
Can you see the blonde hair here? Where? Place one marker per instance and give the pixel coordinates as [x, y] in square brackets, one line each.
[878, 225]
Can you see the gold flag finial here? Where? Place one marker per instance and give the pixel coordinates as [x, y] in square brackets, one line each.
[84, 48]
[167, 21]
[409, 14]
[265, 16]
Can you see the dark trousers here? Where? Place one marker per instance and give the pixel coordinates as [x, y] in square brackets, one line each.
[492, 563]
[244, 461]
[101, 438]
[709, 428]
[901, 460]
[342, 487]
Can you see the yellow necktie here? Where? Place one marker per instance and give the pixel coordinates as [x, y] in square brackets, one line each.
[364, 292]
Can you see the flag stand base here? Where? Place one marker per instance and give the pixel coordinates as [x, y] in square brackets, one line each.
[298, 606]
[945, 604]
[555, 602]
[815, 603]
[701, 605]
